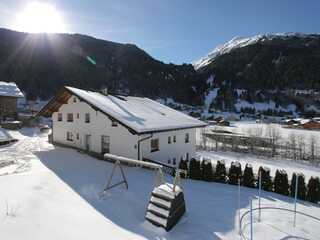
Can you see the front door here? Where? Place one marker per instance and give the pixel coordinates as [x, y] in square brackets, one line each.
[88, 142]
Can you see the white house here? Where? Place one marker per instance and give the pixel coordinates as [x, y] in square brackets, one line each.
[128, 126]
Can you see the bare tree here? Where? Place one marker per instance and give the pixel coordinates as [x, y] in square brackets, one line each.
[274, 136]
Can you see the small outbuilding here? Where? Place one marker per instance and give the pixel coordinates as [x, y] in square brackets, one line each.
[9, 94]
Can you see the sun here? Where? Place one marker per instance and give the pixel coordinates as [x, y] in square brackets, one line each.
[39, 17]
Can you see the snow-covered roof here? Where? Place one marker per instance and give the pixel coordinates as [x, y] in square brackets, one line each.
[140, 114]
[10, 89]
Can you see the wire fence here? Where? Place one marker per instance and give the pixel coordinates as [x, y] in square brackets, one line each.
[248, 212]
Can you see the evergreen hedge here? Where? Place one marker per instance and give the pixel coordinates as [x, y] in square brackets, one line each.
[220, 173]
[281, 182]
[235, 173]
[207, 171]
[313, 192]
[248, 177]
[266, 181]
[301, 186]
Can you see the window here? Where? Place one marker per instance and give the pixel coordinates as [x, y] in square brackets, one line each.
[70, 117]
[74, 99]
[186, 139]
[187, 156]
[78, 115]
[154, 145]
[69, 136]
[174, 138]
[114, 123]
[77, 136]
[60, 117]
[87, 119]
[169, 161]
[105, 144]
[169, 140]
[174, 161]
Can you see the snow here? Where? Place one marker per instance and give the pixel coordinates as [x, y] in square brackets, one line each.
[10, 89]
[140, 114]
[4, 136]
[57, 197]
[212, 94]
[166, 190]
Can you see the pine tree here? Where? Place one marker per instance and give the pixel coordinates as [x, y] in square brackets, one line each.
[207, 171]
[183, 165]
[248, 177]
[220, 173]
[194, 169]
[235, 173]
[281, 182]
[266, 181]
[301, 186]
[313, 193]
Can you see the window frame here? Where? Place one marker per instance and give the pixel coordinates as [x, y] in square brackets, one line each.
[154, 145]
[68, 117]
[187, 138]
[87, 118]
[69, 136]
[105, 144]
[60, 117]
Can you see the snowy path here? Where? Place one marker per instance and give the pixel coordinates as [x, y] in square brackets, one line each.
[57, 198]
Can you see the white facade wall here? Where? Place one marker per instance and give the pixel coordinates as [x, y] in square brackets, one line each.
[168, 152]
[122, 142]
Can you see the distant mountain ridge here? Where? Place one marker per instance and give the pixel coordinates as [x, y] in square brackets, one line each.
[42, 63]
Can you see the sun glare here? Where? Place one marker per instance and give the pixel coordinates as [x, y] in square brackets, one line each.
[38, 17]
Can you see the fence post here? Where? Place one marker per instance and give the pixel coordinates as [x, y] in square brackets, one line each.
[259, 218]
[239, 195]
[295, 201]
[251, 221]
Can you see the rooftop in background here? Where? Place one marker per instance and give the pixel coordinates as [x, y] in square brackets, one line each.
[139, 114]
[10, 89]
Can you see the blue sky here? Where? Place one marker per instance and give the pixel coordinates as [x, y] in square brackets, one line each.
[178, 30]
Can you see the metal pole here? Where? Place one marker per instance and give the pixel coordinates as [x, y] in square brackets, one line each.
[259, 218]
[239, 195]
[295, 201]
[251, 221]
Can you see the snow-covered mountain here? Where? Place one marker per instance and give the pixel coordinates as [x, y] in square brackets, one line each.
[239, 42]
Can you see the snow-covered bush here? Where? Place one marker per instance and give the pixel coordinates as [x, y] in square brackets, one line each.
[248, 177]
[313, 192]
[207, 170]
[281, 182]
[220, 173]
[301, 186]
[235, 173]
[194, 169]
[266, 181]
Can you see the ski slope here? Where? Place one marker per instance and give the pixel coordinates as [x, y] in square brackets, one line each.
[56, 197]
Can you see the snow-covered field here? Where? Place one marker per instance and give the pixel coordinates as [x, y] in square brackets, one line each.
[56, 197]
